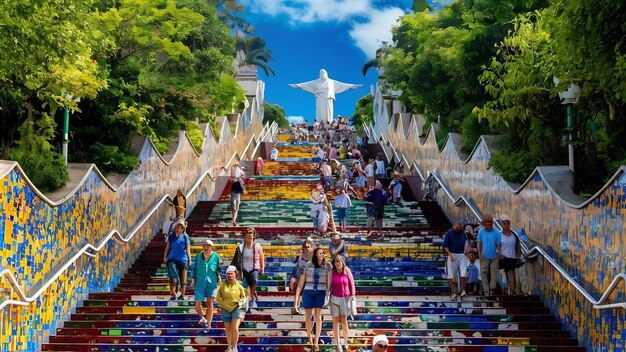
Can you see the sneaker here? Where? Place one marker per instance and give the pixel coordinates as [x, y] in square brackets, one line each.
[253, 304]
[453, 297]
[172, 298]
[463, 294]
[181, 298]
[202, 321]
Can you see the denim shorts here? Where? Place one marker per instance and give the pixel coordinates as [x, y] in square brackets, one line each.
[228, 317]
[313, 298]
[250, 277]
[174, 268]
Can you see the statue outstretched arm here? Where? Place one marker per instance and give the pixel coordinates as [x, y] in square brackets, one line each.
[342, 87]
[310, 86]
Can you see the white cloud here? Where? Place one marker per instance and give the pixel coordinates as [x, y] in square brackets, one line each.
[310, 11]
[369, 36]
[370, 25]
[295, 119]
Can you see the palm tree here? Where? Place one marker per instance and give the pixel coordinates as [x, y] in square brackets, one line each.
[255, 53]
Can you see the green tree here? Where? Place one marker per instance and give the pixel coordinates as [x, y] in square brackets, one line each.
[364, 111]
[274, 113]
[44, 167]
[166, 66]
[45, 51]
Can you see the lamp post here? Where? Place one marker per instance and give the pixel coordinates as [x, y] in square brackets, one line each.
[66, 126]
[569, 98]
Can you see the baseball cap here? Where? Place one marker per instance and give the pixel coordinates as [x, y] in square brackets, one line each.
[504, 217]
[209, 242]
[231, 269]
[378, 339]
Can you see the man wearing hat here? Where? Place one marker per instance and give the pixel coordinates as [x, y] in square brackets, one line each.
[205, 276]
[380, 343]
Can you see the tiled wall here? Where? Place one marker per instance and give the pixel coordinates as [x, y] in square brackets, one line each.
[587, 239]
[38, 236]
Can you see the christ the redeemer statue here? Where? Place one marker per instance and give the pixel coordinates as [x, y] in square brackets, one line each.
[324, 89]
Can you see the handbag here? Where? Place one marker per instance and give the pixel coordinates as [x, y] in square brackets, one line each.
[244, 304]
[353, 311]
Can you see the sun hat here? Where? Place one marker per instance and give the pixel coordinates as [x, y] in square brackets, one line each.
[378, 339]
[209, 242]
[231, 269]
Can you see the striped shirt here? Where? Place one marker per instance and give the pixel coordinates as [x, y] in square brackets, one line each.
[316, 278]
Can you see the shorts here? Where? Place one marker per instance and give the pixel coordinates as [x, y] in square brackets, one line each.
[459, 265]
[228, 317]
[342, 214]
[313, 298]
[235, 199]
[340, 306]
[508, 264]
[250, 277]
[204, 290]
[174, 268]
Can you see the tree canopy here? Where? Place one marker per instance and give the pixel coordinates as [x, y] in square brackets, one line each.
[487, 66]
[122, 68]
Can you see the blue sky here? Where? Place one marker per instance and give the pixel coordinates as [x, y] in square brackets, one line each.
[308, 35]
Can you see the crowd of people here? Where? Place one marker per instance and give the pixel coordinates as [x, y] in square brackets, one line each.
[317, 282]
[487, 261]
[480, 260]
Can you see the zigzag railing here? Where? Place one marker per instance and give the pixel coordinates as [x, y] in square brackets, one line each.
[528, 252]
[91, 250]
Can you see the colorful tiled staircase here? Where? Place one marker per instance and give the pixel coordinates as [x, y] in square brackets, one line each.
[399, 278]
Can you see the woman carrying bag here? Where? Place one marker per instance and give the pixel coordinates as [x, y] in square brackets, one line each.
[314, 285]
[342, 300]
[232, 298]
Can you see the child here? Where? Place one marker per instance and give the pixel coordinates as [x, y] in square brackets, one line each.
[342, 203]
[473, 272]
[259, 166]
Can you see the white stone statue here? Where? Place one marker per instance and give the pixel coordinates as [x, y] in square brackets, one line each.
[324, 89]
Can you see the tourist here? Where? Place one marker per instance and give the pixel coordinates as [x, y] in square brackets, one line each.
[342, 298]
[370, 174]
[510, 251]
[337, 246]
[231, 297]
[259, 166]
[319, 213]
[180, 204]
[342, 203]
[237, 189]
[455, 243]
[314, 286]
[379, 166]
[250, 262]
[274, 154]
[489, 247]
[177, 256]
[306, 254]
[474, 284]
[380, 343]
[395, 188]
[375, 201]
[205, 278]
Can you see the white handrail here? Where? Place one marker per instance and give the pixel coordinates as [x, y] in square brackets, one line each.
[537, 250]
[87, 249]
